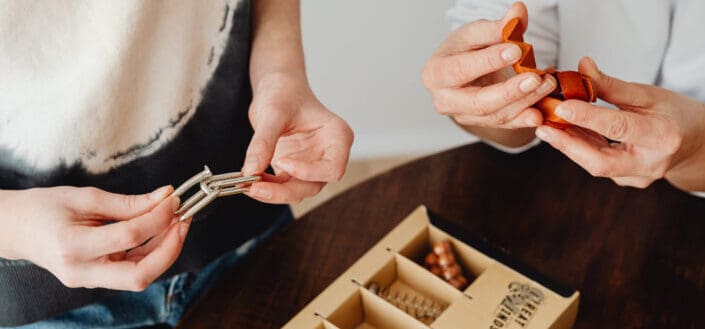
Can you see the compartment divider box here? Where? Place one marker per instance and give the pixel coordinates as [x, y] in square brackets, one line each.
[389, 288]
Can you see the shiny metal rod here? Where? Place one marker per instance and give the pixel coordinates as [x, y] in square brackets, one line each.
[211, 187]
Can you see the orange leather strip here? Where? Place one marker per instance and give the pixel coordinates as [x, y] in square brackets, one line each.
[571, 84]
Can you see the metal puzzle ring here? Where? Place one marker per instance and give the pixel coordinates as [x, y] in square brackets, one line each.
[210, 187]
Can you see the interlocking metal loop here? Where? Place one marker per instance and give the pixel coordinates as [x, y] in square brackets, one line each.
[211, 187]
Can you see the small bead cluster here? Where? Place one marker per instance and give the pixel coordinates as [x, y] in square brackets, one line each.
[441, 262]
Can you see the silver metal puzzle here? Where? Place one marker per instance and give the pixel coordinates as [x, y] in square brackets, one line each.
[211, 188]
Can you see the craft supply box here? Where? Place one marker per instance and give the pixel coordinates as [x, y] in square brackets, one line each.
[498, 295]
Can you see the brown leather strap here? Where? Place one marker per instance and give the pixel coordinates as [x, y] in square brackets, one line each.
[571, 84]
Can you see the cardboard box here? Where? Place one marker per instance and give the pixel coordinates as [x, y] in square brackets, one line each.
[408, 296]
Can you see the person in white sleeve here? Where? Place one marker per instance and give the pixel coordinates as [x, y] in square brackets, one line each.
[651, 50]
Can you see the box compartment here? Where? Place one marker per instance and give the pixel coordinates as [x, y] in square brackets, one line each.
[471, 261]
[364, 310]
[412, 289]
[502, 292]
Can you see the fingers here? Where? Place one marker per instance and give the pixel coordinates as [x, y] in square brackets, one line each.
[530, 117]
[264, 141]
[616, 125]
[137, 254]
[282, 177]
[488, 100]
[481, 33]
[598, 161]
[461, 69]
[453, 65]
[313, 171]
[129, 234]
[293, 191]
[330, 166]
[498, 105]
[600, 158]
[105, 205]
[137, 276]
[588, 135]
[615, 91]
[517, 9]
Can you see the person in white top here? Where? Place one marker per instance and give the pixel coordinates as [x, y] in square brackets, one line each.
[659, 129]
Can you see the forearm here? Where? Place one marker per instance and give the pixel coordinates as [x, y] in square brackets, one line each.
[689, 175]
[507, 137]
[277, 47]
[8, 245]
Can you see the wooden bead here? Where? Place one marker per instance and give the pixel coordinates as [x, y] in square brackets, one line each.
[459, 283]
[442, 247]
[446, 260]
[451, 271]
[436, 270]
[442, 263]
[462, 280]
[431, 259]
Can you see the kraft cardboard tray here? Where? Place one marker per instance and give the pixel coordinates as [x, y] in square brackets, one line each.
[498, 295]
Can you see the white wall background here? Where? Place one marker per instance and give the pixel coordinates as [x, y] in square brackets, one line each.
[364, 61]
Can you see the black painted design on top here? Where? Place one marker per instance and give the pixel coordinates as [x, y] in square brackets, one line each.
[225, 19]
[157, 136]
[210, 56]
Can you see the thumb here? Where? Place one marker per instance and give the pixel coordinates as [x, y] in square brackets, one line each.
[517, 9]
[259, 154]
[613, 90]
[97, 202]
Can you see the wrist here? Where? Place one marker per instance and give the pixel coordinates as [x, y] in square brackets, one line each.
[687, 174]
[686, 171]
[277, 79]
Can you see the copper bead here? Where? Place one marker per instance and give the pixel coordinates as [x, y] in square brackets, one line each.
[442, 263]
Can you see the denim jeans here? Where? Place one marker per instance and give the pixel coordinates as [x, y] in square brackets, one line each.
[163, 302]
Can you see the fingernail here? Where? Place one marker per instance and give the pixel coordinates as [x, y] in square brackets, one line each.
[564, 112]
[529, 84]
[546, 87]
[532, 122]
[175, 203]
[544, 134]
[262, 193]
[511, 54]
[160, 193]
[251, 165]
[183, 229]
[286, 166]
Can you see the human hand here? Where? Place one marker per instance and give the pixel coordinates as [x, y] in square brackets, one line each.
[660, 133]
[306, 144]
[471, 80]
[67, 231]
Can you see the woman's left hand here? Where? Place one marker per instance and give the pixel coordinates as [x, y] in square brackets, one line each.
[656, 133]
[306, 144]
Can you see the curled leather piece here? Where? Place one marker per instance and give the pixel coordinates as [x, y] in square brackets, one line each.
[571, 84]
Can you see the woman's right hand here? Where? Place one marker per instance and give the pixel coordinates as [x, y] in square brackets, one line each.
[90, 238]
[471, 79]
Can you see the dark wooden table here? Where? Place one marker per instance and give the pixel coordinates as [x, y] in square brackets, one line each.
[637, 256]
